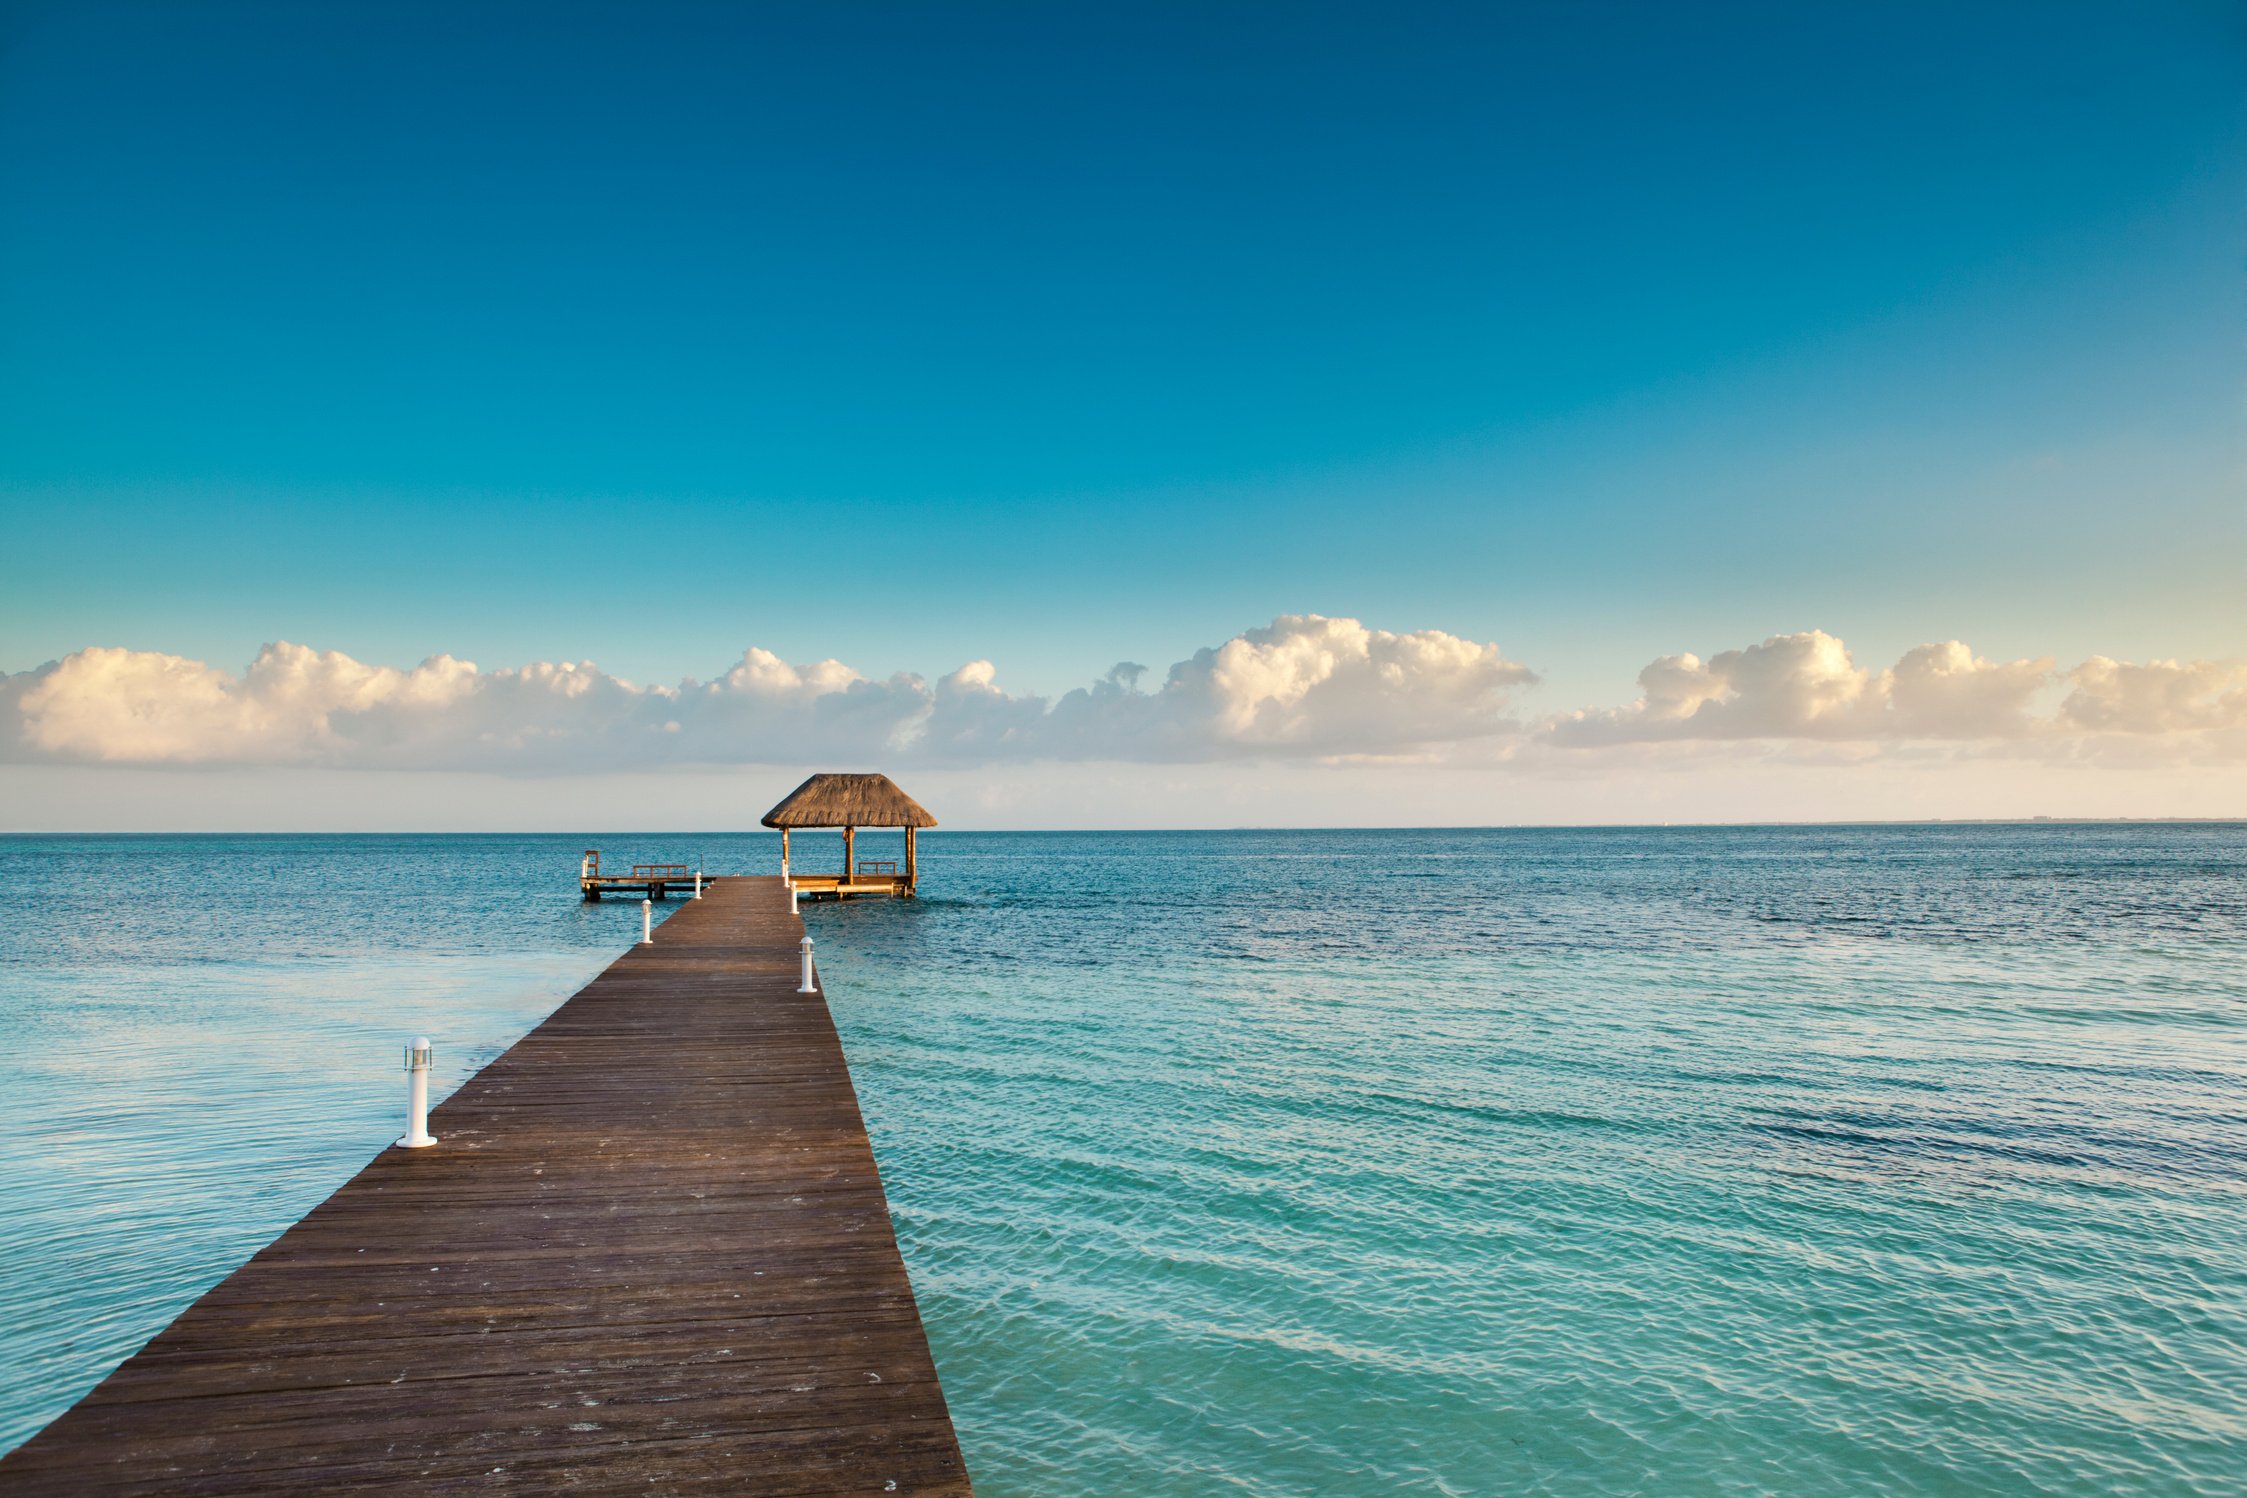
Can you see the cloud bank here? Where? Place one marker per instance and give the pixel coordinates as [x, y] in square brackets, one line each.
[1807, 688]
[1303, 688]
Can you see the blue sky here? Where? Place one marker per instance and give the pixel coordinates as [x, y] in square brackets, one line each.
[1064, 335]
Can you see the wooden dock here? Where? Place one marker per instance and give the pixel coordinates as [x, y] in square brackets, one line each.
[880, 879]
[648, 881]
[649, 1254]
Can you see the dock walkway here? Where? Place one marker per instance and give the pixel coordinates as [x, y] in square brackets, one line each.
[649, 1254]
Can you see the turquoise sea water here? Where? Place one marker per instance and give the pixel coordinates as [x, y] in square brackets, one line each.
[1757, 1161]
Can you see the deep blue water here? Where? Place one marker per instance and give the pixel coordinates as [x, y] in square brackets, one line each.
[1756, 1161]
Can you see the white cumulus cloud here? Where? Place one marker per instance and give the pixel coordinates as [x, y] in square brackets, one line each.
[1807, 688]
[2156, 697]
[1302, 686]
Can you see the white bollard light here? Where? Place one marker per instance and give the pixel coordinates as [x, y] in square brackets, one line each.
[647, 923]
[808, 985]
[698, 884]
[791, 899]
[418, 1056]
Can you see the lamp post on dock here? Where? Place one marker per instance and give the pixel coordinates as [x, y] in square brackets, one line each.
[807, 986]
[647, 923]
[419, 1053]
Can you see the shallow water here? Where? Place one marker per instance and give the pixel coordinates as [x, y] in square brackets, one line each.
[1774, 1161]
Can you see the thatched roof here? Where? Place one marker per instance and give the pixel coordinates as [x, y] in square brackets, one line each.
[849, 801]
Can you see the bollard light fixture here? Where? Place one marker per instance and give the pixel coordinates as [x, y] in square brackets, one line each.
[420, 1056]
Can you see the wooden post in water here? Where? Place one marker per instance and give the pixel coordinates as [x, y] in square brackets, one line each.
[850, 852]
[912, 870]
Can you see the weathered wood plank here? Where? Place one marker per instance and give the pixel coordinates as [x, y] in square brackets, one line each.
[649, 1254]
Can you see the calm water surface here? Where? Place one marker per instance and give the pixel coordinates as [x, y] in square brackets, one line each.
[1773, 1161]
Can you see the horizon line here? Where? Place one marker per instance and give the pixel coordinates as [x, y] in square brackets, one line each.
[2029, 821]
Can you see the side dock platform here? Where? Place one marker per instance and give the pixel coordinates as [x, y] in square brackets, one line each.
[649, 1254]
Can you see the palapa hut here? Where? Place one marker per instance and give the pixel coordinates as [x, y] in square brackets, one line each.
[851, 802]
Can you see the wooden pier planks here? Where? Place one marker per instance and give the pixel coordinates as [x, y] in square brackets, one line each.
[649, 1254]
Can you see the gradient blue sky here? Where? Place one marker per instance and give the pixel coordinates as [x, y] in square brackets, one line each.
[1065, 334]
